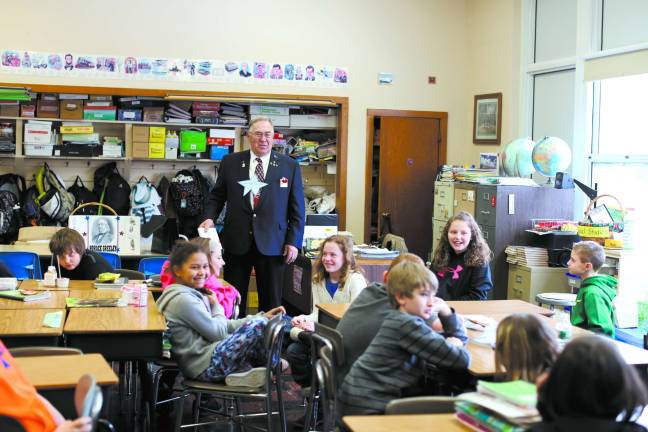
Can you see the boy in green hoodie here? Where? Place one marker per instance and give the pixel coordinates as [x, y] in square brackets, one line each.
[593, 310]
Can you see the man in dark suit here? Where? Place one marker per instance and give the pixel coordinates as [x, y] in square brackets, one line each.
[264, 224]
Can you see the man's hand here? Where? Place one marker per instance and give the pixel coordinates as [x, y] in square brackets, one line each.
[207, 223]
[272, 312]
[82, 424]
[290, 252]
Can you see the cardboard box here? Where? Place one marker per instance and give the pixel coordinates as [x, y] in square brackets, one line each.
[170, 152]
[156, 150]
[36, 133]
[39, 149]
[218, 152]
[28, 110]
[71, 109]
[277, 120]
[10, 110]
[220, 141]
[141, 133]
[47, 108]
[78, 150]
[107, 113]
[313, 120]
[157, 134]
[111, 150]
[140, 149]
[129, 114]
[153, 114]
[101, 98]
[222, 133]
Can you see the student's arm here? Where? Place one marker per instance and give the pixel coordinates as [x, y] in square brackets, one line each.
[355, 284]
[599, 316]
[193, 313]
[479, 284]
[450, 321]
[82, 424]
[419, 339]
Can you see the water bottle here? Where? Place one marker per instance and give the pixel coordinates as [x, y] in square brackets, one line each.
[563, 326]
[49, 278]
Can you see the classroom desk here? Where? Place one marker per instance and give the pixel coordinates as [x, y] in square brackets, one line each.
[56, 301]
[410, 422]
[119, 333]
[55, 377]
[330, 314]
[374, 268]
[24, 327]
[36, 284]
[482, 363]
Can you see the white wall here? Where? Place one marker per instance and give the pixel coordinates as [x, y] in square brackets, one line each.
[471, 47]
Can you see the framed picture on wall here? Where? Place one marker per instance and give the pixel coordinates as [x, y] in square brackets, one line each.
[487, 124]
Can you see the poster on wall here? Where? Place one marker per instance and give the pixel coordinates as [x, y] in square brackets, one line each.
[132, 67]
[116, 234]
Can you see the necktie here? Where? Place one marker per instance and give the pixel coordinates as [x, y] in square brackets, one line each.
[258, 172]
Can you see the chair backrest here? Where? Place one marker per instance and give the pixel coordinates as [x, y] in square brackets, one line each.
[335, 339]
[327, 387]
[10, 424]
[130, 274]
[297, 291]
[38, 351]
[113, 259]
[24, 265]
[421, 405]
[151, 265]
[88, 398]
[273, 341]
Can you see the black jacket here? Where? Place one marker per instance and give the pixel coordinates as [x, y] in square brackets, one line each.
[460, 282]
[91, 265]
[566, 424]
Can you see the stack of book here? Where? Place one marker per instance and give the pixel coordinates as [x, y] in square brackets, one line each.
[206, 112]
[503, 406]
[112, 147]
[99, 110]
[78, 139]
[178, 112]
[527, 256]
[374, 252]
[233, 114]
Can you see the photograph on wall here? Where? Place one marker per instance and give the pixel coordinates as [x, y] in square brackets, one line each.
[159, 67]
[260, 70]
[289, 72]
[130, 65]
[487, 123]
[310, 73]
[85, 62]
[488, 161]
[118, 234]
[299, 75]
[340, 76]
[276, 72]
[106, 64]
[11, 58]
[244, 71]
[231, 67]
[144, 66]
[55, 62]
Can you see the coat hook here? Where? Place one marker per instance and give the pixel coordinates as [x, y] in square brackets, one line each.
[173, 167]
[67, 164]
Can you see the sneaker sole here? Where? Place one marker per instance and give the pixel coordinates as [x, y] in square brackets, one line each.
[255, 377]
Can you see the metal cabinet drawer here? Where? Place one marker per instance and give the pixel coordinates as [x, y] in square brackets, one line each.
[486, 204]
[443, 200]
[464, 199]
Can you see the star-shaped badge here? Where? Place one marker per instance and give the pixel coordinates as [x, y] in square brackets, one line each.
[253, 185]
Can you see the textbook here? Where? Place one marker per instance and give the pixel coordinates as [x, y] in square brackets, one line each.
[520, 393]
[116, 284]
[74, 302]
[18, 295]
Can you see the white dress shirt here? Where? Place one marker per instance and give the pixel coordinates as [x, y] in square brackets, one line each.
[265, 161]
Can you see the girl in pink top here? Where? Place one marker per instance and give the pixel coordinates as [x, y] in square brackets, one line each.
[227, 295]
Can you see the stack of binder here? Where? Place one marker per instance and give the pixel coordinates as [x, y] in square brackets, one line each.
[206, 112]
[233, 114]
[527, 256]
[178, 112]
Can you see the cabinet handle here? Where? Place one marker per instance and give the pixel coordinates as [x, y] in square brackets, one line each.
[518, 279]
[484, 212]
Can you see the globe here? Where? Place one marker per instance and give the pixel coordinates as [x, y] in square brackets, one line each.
[550, 156]
[516, 157]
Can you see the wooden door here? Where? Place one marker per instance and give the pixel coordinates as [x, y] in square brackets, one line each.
[409, 158]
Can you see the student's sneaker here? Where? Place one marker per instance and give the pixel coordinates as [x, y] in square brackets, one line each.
[254, 377]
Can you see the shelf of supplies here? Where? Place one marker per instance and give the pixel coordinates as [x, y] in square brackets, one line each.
[288, 128]
[67, 158]
[137, 123]
[7, 155]
[175, 160]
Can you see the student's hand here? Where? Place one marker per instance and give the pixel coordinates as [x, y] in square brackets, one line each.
[82, 424]
[207, 223]
[290, 252]
[212, 299]
[454, 341]
[272, 312]
[441, 307]
[437, 326]
[307, 326]
[298, 320]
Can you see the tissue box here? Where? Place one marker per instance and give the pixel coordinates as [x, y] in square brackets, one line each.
[135, 294]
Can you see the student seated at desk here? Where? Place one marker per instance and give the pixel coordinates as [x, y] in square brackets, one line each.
[461, 260]
[336, 279]
[20, 401]
[394, 359]
[593, 310]
[226, 295]
[76, 262]
[590, 388]
[5, 271]
[526, 347]
[206, 345]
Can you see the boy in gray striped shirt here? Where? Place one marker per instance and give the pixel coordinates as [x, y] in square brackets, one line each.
[395, 358]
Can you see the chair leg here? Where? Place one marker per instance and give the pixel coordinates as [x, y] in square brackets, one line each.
[280, 402]
[197, 410]
[179, 411]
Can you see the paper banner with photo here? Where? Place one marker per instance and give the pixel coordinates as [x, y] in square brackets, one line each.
[131, 67]
[117, 234]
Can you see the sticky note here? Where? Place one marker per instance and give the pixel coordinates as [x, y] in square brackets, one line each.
[53, 319]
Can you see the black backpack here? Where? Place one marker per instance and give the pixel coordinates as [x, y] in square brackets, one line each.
[112, 189]
[188, 193]
[83, 195]
[12, 189]
[31, 213]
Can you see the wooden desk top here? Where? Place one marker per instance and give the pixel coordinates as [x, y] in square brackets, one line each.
[56, 301]
[28, 322]
[64, 371]
[489, 307]
[128, 319]
[412, 422]
[36, 284]
[335, 310]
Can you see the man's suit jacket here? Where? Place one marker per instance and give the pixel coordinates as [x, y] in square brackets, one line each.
[278, 218]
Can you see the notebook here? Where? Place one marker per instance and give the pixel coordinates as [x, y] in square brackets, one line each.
[18, 295]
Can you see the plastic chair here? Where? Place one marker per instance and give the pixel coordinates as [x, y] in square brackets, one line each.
[327, 388]
[38, 351]
[564, 300]
[298, 300]
[130, 274]
[273, 341]
[421, 405]
[151, 265]
[24, 265]
[113, 259]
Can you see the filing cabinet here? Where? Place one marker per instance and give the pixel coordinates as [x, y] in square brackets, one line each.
[525, 282]
[443, 209]
[464, 198]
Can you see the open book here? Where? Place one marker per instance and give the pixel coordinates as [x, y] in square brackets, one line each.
[18, 295]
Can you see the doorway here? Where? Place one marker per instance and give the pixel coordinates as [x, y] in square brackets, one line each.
[404, 152]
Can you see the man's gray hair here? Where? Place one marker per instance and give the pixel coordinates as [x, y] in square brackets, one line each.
[260, 119]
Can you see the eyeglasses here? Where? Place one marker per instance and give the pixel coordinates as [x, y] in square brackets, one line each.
[259, 135]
